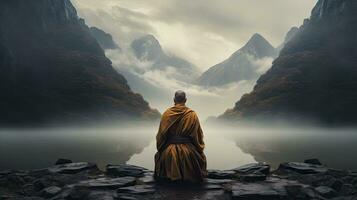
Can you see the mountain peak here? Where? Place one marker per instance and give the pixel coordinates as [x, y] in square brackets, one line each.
[147, 47]
[259, 47]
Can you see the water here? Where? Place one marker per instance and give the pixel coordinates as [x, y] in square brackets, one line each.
[226, 148]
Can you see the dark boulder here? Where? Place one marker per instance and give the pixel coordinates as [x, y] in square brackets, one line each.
[125, 170]
[302, 168]
[72, 168]
[313, 161]
[326, 191]
[62, 161]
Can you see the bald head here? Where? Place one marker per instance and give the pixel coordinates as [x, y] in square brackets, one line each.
[180, 97]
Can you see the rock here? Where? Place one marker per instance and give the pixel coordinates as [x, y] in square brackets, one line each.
[253, 168]
[253, 192]
[313, 161]
[50, 191]
[62, 161]
[102, 195]
[72, 168]
[125, 170]
[29, 190]
[212, 187]
[107, 183]
[252, 177]
[302, 168]
[127, 198]
[326, 191]
[222, 174]
[348, 189]
[147, 178]
[337, 185]
[218, 181]
[137, 189]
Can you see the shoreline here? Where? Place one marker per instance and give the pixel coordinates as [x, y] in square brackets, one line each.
[82, 180]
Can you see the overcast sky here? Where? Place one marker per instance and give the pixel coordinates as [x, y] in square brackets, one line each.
[204, 32]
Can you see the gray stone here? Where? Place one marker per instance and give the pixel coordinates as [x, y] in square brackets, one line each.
[127, 198]
[254, 192]
[326, 191]
[253, 168]
[107, 183]
[125, 170]
[72, 168]
[102, 195]
[62, 161]
[222, 174]
[348, 189]
[137, 189]
[257, 176]
[313, 161]
[218, 181]
[147, 178]
[50, 191]
[303, 168]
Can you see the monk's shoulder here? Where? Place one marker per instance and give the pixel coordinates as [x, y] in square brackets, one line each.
[192, 113]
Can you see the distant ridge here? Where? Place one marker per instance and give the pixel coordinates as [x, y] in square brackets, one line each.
[240, 65]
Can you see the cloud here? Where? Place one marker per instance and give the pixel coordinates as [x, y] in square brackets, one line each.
[203, 31]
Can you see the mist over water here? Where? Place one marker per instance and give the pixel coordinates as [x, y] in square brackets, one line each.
[226, 147]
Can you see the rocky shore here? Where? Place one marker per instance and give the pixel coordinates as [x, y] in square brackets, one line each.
[67, 180]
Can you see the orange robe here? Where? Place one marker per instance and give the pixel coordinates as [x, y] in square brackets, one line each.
[180, 162]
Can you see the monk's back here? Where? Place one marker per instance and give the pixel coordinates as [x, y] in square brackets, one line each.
[180, 146]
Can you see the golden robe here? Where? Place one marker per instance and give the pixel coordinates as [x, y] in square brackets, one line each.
[180, 162]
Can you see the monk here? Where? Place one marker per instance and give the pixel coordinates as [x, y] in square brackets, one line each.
[180, 145]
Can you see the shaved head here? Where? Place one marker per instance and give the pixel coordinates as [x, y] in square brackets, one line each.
[180, 97]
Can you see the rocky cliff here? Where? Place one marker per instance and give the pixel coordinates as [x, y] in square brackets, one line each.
[315, 74]
[53, 69]
[104, 39]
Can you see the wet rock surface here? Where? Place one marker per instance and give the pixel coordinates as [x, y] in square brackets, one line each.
[254, 181]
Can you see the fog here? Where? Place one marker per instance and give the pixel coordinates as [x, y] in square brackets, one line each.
[158, 86]
[227, 146]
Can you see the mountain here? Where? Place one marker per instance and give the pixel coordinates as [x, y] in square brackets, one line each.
[291, 34]
[241, 65]
[315, 76]
[148, 49]
[104, 39]
[52, 69]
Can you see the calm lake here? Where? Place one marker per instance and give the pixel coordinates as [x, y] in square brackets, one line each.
[226, 148]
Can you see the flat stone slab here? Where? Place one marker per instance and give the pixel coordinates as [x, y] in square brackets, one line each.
[218, 181]
[137, 189]
[72, 168]
[253, 168]
[326, 191]
[50, 191]
[254, 192]
[102, 195]
[222, 174]
[257, 176]
[265, 190]
[303, 168]
[107, 183]
[125, 170]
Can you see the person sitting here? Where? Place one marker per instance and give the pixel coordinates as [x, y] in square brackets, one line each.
[180, 144]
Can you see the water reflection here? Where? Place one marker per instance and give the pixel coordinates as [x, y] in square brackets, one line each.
[226, 147]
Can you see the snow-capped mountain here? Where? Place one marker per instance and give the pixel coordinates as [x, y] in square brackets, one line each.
[245, 64]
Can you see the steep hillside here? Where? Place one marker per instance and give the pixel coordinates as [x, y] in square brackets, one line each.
[315, 75]
[52, 69]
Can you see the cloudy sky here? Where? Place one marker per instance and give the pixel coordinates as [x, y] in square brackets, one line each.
[204, 32]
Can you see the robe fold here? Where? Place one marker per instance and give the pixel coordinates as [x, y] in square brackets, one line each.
[180, 162]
